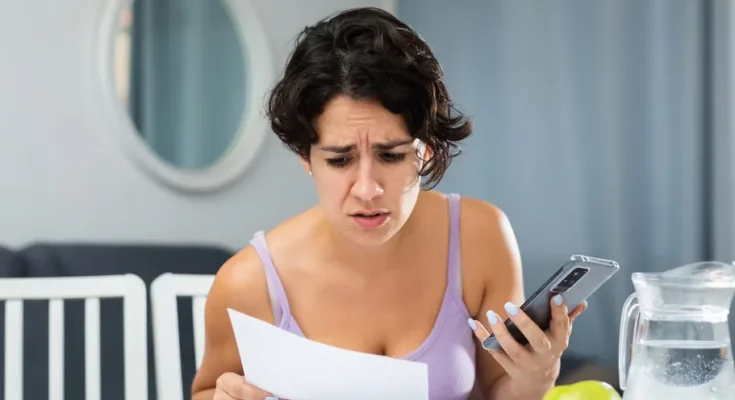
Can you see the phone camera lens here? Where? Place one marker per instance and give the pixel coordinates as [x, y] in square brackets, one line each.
[578, 273]
[570, 280]
[560, 288]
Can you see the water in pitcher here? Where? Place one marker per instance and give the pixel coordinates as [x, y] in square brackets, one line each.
[680, 369]
[675, 337]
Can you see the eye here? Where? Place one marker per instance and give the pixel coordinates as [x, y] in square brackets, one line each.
[338, 161]
[393, 157]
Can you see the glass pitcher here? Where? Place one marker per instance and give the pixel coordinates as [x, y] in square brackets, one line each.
[674, 334]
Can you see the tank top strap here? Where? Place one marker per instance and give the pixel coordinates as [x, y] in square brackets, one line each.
[279, 301]
[454, 269]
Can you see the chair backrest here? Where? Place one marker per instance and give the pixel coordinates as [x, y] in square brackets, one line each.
[164, 293]
[129, 287]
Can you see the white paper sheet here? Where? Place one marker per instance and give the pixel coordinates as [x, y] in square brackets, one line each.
[292, 367]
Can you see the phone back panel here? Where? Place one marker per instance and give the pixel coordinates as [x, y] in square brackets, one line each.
[538, 306]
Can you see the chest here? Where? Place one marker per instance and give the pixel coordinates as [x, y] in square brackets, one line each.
[388, 315]
[417, 319]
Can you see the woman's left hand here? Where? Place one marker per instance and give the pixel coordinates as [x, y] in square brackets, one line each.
[535, 366]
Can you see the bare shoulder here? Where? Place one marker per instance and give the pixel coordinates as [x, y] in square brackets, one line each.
[240, 284]
[491, 261]
[486, 226]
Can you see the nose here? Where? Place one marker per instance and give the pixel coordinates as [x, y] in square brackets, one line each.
[366, 187]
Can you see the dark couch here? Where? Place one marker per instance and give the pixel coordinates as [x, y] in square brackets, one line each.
[10, 266]
[146, 261]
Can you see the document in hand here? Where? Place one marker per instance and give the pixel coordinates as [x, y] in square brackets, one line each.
[295, 368]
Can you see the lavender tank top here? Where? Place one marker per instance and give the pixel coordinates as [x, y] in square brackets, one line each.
[449, 350]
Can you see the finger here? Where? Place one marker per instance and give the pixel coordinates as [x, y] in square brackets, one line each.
[257, 393]
[230, 386]
[478, 329]
[517, 352]
[537, 338]
[560, 322]
[501, 357]
[246, 392]
[234, 386]
[223, 395]
[577, 311]
[574, 314]
[504, 361]
[236, 392]
[220, 395]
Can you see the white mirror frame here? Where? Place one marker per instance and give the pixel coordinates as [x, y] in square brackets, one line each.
[253, 128]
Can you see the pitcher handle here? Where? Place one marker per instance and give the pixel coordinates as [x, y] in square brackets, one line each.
[630, 314]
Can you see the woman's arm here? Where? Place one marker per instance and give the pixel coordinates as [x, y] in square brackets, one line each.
[489, 247]
[241, 285]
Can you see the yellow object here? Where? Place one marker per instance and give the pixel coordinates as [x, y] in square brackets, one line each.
[585, 390]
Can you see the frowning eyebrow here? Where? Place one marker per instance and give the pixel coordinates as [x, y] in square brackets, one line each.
[380, 146]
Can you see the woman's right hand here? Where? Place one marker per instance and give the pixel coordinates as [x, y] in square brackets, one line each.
[233, 386]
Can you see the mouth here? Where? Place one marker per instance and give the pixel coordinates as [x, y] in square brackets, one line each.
[370, 219]
[369, 214]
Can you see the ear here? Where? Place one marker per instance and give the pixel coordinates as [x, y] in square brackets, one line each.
[425, 154]
[306, 165]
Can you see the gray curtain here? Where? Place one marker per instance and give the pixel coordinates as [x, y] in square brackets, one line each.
[592, 133]
[187, 79]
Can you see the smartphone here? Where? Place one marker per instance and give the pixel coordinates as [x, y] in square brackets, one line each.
[576, 280]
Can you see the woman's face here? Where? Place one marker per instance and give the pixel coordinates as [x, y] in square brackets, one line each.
[365, 168]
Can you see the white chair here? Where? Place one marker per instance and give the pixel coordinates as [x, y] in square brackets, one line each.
[164, 292]
[91, 288]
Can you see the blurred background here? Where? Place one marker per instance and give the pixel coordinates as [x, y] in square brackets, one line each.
[601, 128]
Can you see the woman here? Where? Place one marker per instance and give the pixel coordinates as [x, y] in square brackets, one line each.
[382, 264]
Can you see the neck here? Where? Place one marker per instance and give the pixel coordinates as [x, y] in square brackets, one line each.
[372, 258]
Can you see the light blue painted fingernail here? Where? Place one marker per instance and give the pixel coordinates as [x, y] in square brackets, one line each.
[472, 323]
[557, 299]
[511, 309]
[271, 398]
[492, 318]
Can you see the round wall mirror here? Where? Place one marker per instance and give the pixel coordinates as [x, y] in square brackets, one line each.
[186, 80]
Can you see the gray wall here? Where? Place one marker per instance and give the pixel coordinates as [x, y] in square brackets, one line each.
[590, 133]
[65, 177]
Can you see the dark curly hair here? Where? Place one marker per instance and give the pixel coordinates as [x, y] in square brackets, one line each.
[367, 53]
